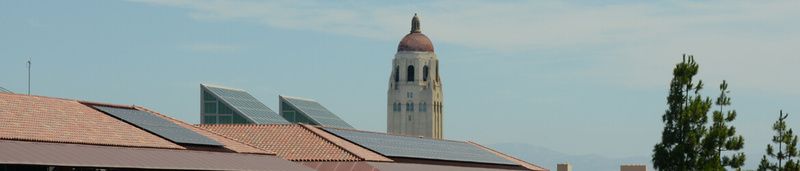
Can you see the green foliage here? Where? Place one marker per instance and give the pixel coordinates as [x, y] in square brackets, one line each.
[684, 121]
[686, 142]
[722, 137]
[787, 148]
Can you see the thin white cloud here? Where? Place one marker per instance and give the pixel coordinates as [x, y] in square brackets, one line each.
[753, 39]
[496, 25]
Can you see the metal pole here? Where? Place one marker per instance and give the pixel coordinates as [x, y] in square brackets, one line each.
[29, 76]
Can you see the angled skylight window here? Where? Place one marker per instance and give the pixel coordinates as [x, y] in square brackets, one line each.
[221, 105]
[309, 111]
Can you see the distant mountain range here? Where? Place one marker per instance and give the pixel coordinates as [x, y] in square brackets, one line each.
[547, 158]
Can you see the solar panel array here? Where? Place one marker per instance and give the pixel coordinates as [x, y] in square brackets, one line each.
[413, 147]
[246, 105]
[159, 126]
[316, 112]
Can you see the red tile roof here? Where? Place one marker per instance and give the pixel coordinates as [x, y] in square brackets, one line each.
[48, 119]
[354, 149]
[80, 155]
[295, 142]
[339, 166]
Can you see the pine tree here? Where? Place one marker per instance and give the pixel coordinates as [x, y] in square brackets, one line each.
[787, 148]
[684, 122]
[722, 137]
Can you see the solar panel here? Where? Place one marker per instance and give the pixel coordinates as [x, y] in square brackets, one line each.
[316, 112]
[159, 126]
[245, 104]
[413, 147]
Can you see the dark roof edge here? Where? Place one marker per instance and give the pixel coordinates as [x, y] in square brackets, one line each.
[514, 159]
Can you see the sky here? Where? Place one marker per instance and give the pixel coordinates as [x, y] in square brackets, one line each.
[578, 77]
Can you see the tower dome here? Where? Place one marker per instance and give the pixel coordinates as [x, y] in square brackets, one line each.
[415, 41]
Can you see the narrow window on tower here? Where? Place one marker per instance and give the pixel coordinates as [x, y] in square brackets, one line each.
[412, 107]
[425, 73]
[422, 107]
[397, 74]
[408, 107]
[410, 73]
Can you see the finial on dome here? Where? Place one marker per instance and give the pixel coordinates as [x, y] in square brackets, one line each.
[415, 24]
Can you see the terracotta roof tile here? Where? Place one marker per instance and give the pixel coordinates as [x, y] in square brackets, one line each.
[516, 160]
[292, 141]
[354, 149]
[229, 143]
[48, 119]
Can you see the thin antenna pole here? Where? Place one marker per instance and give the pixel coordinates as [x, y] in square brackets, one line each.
[29, 76]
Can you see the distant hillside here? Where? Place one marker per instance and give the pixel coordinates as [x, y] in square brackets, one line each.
[549, 159]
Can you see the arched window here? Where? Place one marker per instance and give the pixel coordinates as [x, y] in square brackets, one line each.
[412, 107]
[422, 106]
[425, 73]
[410, 73]
[397, 74]
[407, 107]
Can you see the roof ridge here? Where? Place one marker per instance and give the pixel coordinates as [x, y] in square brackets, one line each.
[87, 103]
[235, 89]
[40, 96]
[509, 157]
[376, 157]
[299, 98]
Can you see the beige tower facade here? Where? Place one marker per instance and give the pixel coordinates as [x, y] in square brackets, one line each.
[414, 105]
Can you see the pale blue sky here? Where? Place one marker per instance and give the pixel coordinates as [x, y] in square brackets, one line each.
[576, 77]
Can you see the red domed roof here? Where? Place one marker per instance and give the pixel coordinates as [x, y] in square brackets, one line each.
[415, 42]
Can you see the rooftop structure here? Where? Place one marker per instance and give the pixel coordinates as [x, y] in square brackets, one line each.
[633, 167]
[40, 132]
[307, 111]
[221, 105]
[324, 148]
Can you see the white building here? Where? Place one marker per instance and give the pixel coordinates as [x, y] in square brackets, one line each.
[414, 105]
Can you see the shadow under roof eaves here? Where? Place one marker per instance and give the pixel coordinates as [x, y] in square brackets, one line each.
[423, 148]
[159, 126]
[315, 112]
[245, 104]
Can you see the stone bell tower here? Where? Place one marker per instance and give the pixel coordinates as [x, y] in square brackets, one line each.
[414, 105]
